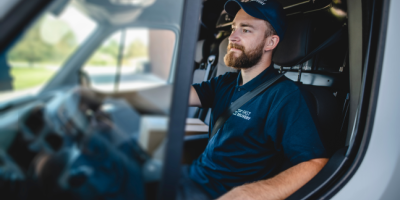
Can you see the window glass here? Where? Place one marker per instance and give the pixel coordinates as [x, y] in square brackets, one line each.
[42, 50]
[102, 72]
[131, 59]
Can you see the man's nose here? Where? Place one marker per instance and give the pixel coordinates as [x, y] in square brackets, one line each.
[234, 37]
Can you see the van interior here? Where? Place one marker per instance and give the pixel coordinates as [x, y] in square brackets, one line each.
[50, 148]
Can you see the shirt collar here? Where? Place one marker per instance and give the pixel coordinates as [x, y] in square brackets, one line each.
[265, 75]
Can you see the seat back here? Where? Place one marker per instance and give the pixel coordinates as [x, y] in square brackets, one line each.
[324, 108]
[296, 44]
[316, 87]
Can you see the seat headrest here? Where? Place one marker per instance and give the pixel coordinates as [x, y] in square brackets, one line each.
[296, 43]
[199, 51]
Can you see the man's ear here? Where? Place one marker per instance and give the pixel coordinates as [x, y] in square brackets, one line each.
[271, 42]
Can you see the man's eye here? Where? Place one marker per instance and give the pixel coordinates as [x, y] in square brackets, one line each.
[232, 29]
[245, 31]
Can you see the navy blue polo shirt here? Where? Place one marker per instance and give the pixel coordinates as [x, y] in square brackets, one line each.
[268, 134]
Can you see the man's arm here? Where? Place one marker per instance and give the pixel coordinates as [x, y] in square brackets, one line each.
[281, 186]
[194, 99]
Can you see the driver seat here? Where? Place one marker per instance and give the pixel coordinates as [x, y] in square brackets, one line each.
[296, 45]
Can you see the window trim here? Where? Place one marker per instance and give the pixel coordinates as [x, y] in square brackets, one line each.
[15, 22]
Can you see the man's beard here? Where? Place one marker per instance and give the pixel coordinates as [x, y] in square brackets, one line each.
[246, 59]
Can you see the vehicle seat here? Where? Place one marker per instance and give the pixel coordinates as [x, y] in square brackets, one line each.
[298, 42]
[199, 72]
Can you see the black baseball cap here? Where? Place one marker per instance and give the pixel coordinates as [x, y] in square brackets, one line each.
[269, 10]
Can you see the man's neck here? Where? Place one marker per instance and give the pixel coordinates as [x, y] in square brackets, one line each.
[250, 73]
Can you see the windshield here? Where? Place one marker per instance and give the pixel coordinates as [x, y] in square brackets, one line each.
[42, 49]
[103, 74]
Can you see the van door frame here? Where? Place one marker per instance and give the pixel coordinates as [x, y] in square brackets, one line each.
[183, 76]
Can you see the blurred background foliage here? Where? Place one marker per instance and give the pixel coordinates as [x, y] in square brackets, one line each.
[34, 61]
[32, 49]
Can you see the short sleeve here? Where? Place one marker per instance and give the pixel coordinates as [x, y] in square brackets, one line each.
[296, 133]
[206, 90]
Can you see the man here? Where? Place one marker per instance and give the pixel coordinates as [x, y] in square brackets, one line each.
[269, 147]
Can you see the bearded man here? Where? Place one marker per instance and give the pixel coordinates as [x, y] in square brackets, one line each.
[270, 147]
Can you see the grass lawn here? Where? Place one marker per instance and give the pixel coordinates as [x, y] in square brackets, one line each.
[26, 77]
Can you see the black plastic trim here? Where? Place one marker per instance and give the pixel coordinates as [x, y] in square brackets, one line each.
[18, 18]
[171, 171]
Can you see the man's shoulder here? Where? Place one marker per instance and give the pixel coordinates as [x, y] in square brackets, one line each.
[228, 78]
[287, 93]
[285, 86]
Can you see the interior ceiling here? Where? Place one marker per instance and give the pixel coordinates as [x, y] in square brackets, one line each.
[105, 11]
[212, 9]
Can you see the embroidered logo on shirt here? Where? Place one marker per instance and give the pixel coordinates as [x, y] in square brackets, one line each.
[243, 114]
[262, 2]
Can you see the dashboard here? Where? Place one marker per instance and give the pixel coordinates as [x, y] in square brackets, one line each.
[76, 144]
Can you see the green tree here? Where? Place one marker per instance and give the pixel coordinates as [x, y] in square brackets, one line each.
[64, 48]
[110, 48]
[136, 49]
[106, 55]
[32, 49]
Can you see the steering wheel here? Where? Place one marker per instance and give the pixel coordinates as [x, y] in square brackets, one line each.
[83, 154]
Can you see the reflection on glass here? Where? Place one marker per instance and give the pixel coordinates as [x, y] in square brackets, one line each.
[43, 49]
[101, 132]
[131, 59]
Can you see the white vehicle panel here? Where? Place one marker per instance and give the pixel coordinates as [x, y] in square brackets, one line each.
[378, 177]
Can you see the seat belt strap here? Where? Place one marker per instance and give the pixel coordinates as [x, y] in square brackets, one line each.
[240, 102]
[210, 64]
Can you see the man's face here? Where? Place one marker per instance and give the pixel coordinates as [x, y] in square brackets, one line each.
[246, 42]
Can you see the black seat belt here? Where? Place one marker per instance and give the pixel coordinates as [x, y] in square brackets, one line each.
[240, 102]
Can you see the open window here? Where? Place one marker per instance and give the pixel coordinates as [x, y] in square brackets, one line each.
[133, 62]
[131, 59]
[343, 70]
